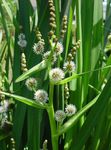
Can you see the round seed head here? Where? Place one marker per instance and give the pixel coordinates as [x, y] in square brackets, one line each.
[41, 96]
[56, 75]
[31, 84]
[60, 116]
[38, 48]
[59, 48]
[47, 54]
[69, 66]
[70, 110]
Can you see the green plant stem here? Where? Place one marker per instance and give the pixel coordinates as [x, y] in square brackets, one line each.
[50, 111]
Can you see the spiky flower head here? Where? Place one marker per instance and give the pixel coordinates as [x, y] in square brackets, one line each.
[59, 48]
[41, 96]
[47, 54]
[60, 116]
[56, 75]
[69, 66]
[70, 110]
[38, 48]
[31, 84]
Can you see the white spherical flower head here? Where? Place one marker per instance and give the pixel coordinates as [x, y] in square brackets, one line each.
[56, 74]
[47, 56]
[38, 48]
[21, 36]
[69, 66]
[31, 84]
[41, 96]
[59, 48]
[22, 43]
[70, 110]
[60, 116]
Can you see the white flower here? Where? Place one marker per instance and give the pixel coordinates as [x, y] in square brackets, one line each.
[59, 48]
[31, 84]
[69, 66]
[38, 48]
[56, 74]
[21, 40]
[41, 96]
[70, 110]
[21, 36]
[60, 116]
[46, 55]
[22, 43]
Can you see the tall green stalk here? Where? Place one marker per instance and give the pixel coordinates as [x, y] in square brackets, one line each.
[50, 111]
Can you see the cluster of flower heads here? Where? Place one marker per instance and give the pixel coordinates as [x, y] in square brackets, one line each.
[22, 40]
[40, 95]
[38, 49]
[60, 115]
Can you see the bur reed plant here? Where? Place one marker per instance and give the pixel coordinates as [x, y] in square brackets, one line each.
[55, 76]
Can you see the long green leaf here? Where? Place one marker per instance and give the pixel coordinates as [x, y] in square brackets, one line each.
[25, 100]
[33, 70]
[73, 119]
[93, 117]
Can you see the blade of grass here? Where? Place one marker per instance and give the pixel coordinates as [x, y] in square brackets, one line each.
[69, 28]
[87, 8]
[95, 114]
[69, 124]
[9, 12]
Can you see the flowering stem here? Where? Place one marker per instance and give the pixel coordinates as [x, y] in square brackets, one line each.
[50, 111]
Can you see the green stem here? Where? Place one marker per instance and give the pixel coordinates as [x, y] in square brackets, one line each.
[54, 138]
[50, 111]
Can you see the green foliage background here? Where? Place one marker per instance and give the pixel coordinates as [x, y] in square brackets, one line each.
[88, 130]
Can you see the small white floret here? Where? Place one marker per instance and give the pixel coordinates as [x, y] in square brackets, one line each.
[69, 66]
[31, 84]
[60, 116]
[56, 74]
[70, 110]
[38, 48]
[41, 96]
[59, 48]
